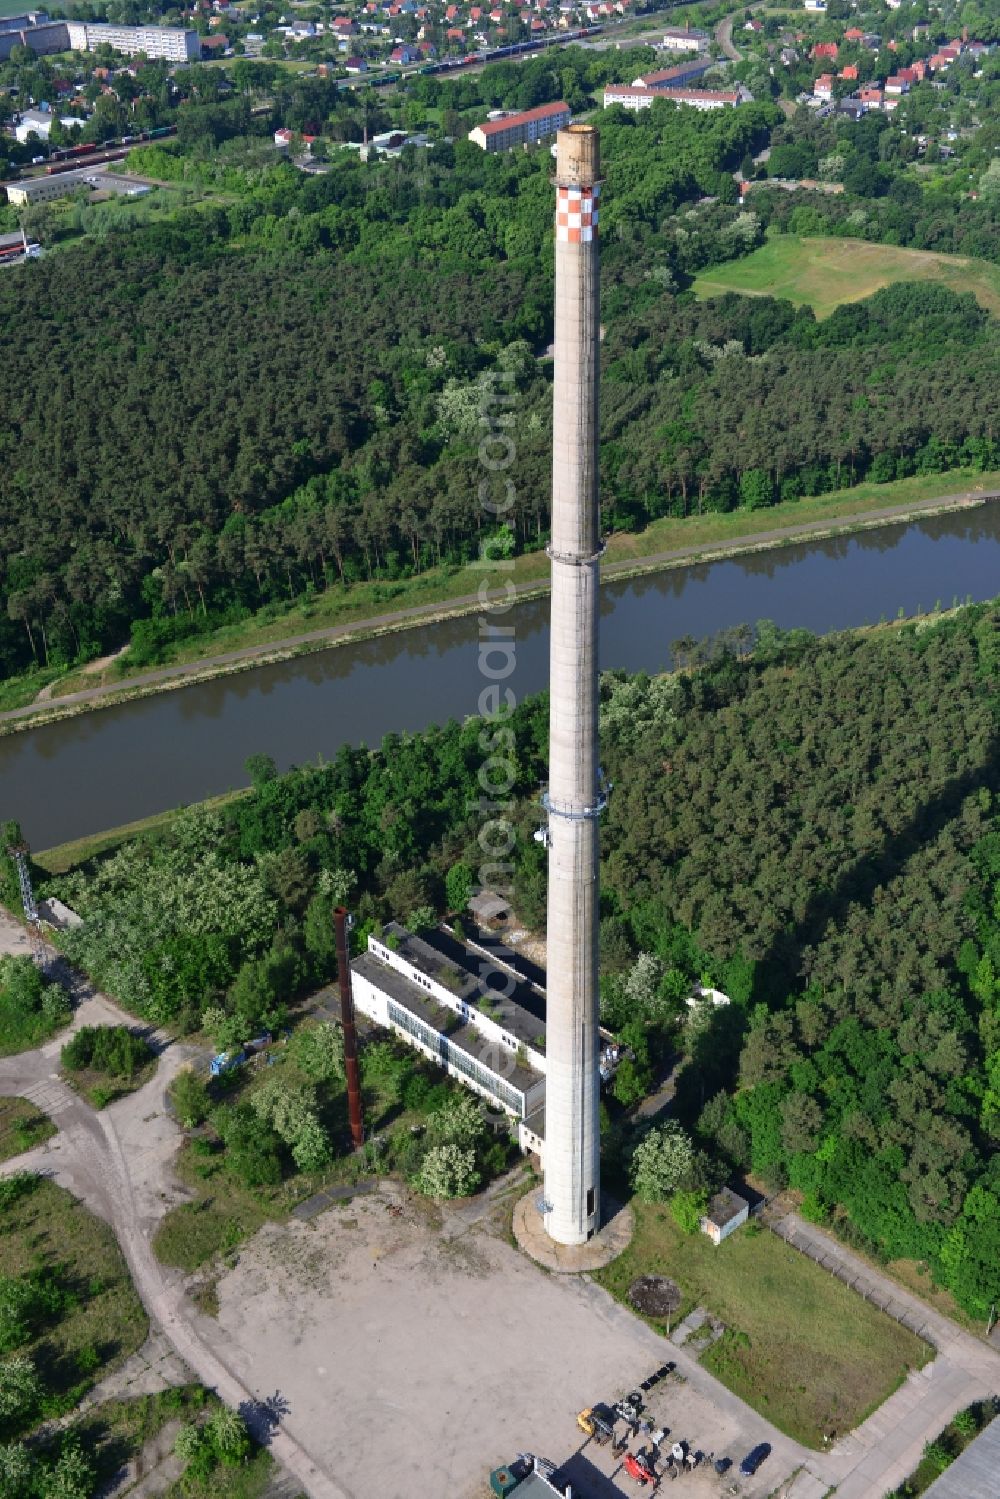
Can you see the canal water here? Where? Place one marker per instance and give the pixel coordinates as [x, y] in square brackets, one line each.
[104, 768]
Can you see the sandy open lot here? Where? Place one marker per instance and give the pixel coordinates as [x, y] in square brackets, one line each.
[414, 1360]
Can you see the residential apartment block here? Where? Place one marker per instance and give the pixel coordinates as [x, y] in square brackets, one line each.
[634, 96]
[521, 129]
[155, 41]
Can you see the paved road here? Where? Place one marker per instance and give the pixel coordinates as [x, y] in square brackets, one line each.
[210, 666]
[120, 1163]
[130, 1192]
[881, 1453]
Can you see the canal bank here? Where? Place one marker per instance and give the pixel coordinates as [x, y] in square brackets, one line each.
[251, 658]
[70, 779]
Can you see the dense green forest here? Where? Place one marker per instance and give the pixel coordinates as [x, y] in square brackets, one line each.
[164, 481]
[176, 384]
[277, 390]
[813, 826]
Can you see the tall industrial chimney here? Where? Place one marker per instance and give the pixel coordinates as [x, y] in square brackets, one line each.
[574, 799]
[352, 1074]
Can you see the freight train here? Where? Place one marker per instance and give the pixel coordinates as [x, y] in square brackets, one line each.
[474, 59]
[66, 158]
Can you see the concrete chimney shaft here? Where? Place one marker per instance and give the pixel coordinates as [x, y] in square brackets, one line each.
[574, 800]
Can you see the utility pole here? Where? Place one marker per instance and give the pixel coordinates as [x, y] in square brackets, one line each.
[19, 854]
[342, 923]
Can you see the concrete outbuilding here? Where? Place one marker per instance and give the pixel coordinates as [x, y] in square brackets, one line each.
[726, 1212]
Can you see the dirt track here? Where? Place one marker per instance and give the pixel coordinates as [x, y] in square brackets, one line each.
[119, 1162]
[402, 1345]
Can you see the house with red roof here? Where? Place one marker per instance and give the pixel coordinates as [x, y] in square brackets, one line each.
[850, 72]
[823, 87]
[825, 49]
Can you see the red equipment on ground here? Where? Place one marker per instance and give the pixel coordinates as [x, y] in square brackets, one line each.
[639, 1469]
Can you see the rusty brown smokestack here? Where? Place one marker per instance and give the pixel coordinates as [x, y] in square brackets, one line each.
[350, 1029]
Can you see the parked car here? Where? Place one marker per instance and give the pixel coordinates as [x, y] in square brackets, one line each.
[753, 1460]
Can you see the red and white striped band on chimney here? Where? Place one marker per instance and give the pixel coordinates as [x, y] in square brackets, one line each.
[576, 214]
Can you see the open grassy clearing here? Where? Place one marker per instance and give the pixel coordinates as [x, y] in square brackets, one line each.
[22, 1127]
[364, 605]
[915, 1277]
[102, 1320]
[800, 1347]
[825, 271]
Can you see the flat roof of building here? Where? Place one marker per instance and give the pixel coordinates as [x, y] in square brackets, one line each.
[459, 968]
[725, 1206]
[974, 1474]
[459, 1033]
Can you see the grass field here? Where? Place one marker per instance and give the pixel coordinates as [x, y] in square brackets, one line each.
[824, 272]
[22, 1127]
[800, 1348]
[362, 603]
[102, 1320]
